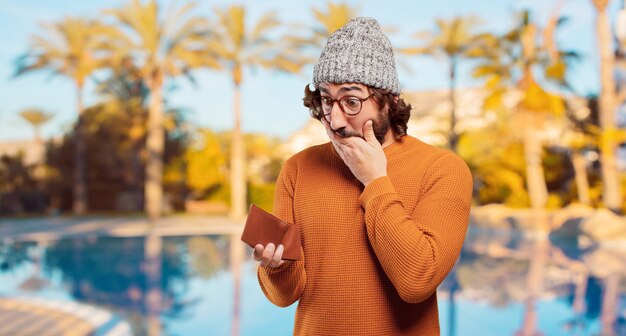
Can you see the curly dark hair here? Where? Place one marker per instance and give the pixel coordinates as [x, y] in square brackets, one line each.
[399, 110]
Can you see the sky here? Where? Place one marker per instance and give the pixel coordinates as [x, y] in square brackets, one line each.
[271, 101]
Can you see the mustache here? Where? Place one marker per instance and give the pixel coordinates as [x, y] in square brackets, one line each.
[379, 131]
[344, 133]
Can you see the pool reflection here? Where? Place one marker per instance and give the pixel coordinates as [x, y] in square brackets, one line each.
[504, 284]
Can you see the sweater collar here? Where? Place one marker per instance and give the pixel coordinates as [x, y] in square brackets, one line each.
[394, 146]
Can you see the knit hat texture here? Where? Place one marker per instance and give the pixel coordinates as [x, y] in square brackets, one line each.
[358, 52]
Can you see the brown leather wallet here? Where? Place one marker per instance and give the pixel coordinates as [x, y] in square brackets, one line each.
[263, 228]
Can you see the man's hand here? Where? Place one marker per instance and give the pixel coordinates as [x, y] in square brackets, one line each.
[365, 157]
[268, 256]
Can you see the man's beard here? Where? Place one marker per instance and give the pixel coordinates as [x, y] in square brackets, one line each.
[381, 127]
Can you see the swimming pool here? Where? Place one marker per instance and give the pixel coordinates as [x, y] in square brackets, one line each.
[504, 284]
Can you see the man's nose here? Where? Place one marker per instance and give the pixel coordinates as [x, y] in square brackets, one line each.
[337, 117]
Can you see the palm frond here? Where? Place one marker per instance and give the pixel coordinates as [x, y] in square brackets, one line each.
[173, 21]
[266, 23]
[67, 48]
[258, 47]
[413, 51]
[35, 117]
[232, 21]
[335, 17]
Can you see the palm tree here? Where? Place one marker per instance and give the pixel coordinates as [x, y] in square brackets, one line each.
[240, 46]
[162, 48]
[577, 142]
[329, 19]
[454, 39]
[36, 118]
[582, 135]
[612, 197]
[518, 52]
[68, 49]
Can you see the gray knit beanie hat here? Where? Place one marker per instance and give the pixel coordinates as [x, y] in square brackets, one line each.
[358, 52]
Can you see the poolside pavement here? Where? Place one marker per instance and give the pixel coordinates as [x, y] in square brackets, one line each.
[53, 228]
[26, 316]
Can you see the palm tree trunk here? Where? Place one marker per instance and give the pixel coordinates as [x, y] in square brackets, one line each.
[137, 184]
[610, 304]
[237, 163]
[236, 258]
[77, 275]
[80, 191]
[535, 179]
[137, 164]
[582, 182]
[37, 129]
[453, 137]
[534, 285]
[154, 145]
[612, 197]
[579, 305]
[153, 299]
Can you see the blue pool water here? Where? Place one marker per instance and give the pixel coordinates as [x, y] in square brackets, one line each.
[501, 281]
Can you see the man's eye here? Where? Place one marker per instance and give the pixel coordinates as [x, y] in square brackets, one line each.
[326, 101]
[352, 102]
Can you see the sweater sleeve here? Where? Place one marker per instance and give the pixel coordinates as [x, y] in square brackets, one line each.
[417, 250]
[284, 285]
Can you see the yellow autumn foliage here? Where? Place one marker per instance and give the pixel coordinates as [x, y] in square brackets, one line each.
[205, 162]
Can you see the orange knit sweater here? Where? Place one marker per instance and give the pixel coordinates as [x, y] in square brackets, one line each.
[373, 257]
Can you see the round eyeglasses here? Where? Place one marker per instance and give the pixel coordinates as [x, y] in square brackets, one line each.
[350, 105]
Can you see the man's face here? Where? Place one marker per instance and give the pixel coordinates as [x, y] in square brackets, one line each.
[346, 125]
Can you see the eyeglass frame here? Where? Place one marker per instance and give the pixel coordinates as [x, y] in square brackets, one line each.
[361, 100]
